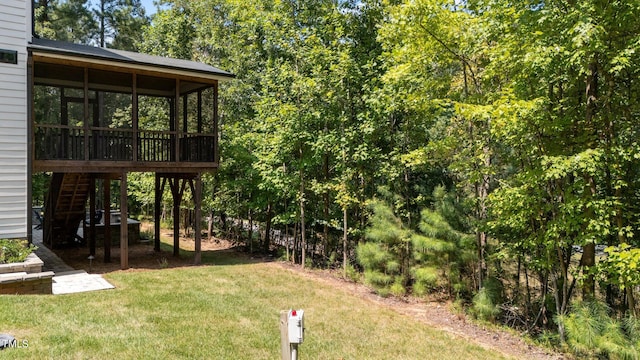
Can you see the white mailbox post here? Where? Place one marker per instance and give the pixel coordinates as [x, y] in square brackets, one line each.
[291, 333]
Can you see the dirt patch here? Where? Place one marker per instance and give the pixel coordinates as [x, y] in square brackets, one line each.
[142, 256]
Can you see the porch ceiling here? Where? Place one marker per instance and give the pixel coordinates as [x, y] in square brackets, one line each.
[59, 75]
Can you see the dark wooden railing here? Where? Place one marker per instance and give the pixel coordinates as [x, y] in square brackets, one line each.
[156, 146]
[197, 148]
[111, 144]
[59, 142]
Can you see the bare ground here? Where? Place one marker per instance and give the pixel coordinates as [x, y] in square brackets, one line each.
[436, 314]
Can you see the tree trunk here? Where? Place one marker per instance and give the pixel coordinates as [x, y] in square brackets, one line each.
[267, 230]
[587, 262]
[102, 22]
[481, 236]
[210, 226]
[302, 219]
[631, 301]
[516, 291]
[286, 241]
[295, 243]
[345, 248]
[250, 231]
[527, 288]
[325, 199]
[589, 251]
[223, 220]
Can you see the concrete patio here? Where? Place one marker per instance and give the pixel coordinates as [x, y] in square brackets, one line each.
[67, 280]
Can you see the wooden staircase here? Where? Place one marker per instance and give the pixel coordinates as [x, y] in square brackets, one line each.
[65, 208]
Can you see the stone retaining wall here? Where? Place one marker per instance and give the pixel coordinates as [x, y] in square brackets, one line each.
[32, 264]
[23, 283]
[25, 277]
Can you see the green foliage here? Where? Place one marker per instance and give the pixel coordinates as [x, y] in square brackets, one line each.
[398, 288]
[382, 255]
[592, 332]
[621, 266]
[171, 35]
[484, 307]
[14, 250]
[69, 20]
[117, 23]
[444, 256]
[386, 252]
[426, 278]
[430, 257]
[353, 274]
[549, 339]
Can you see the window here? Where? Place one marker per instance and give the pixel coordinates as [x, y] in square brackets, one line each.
[8, 56]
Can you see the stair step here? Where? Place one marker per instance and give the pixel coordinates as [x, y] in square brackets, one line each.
[66, 201]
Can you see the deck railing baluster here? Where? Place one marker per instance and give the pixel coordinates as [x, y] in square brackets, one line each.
[117, 144]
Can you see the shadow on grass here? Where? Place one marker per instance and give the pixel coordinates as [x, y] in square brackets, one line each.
[143, 257]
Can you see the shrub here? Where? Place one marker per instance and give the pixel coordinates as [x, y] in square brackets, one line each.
[14, 250]
[377, 279]
[353, 274]
[592, 332]
[483, 306]
[398, 289]
[425, 277]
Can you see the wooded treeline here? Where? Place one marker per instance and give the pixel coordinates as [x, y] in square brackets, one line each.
[485, 151]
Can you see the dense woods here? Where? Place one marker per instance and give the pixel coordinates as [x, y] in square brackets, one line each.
[480, 151]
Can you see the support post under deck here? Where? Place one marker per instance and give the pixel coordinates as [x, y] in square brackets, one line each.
[156, 214]
[124, 224]
[92, 216]
[107, 219]
[197, 199]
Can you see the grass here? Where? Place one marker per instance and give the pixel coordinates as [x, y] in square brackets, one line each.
[229, 310]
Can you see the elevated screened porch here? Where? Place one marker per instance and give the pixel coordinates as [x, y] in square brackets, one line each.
[98, 114]
[113, 111]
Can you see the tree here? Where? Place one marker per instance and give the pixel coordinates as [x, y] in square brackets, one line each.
[433, 256]
[566, 135]
[120, 23]
[66, 21]
[434, 78]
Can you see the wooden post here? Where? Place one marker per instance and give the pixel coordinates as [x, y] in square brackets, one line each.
[85, 116]
[185, 114]
[176, 122]
[216, 152]
[197, 199]
[107, 219]
[156, 214]
[285, 347]
[124, 224]
[176, 190]
[199, 111]
[134, 117]
[92, 216]
[63, 152]
[176, 217]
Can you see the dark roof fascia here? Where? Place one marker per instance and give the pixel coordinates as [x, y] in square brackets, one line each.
[125, 57]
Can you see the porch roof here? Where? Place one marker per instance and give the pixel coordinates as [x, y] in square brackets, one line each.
[62, 51]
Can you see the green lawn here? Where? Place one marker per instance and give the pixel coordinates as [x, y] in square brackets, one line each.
[229, 310]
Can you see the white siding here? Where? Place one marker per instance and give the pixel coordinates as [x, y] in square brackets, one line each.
[15, 32]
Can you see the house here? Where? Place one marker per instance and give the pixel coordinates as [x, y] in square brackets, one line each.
[81, 113]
